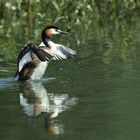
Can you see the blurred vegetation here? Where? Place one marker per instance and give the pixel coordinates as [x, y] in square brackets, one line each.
[97, 20]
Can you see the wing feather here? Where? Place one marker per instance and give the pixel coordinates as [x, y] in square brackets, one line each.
[26, 55]
[58, 51]
[63, 52]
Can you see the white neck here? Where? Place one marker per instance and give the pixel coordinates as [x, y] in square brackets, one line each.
[50, 43]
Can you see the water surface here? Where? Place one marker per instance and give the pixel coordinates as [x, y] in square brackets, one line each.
[96, 95]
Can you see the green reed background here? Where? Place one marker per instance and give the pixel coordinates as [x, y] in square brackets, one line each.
[105, 22]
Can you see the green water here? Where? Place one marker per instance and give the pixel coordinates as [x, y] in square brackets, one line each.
[96, 94]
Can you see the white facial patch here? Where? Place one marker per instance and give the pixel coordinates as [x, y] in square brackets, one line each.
[55, 31]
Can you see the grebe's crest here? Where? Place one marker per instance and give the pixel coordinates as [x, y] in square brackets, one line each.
[51, 27]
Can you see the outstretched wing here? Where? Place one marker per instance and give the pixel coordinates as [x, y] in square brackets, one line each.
[41, 54]
[63, 52]
[58, 51]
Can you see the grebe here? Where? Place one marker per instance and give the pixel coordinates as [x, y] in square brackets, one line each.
[33, 61]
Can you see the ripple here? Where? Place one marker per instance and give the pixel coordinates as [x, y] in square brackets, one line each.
[10, 81]
[6, 82]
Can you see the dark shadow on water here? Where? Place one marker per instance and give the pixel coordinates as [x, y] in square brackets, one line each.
[37, 103]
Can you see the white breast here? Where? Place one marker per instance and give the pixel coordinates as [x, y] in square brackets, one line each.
[39, 71]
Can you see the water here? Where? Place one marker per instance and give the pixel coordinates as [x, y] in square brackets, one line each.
[96, 95]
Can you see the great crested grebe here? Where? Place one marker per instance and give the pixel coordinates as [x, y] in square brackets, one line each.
[33, 61]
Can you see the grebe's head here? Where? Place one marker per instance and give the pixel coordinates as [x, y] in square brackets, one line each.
[49, 31]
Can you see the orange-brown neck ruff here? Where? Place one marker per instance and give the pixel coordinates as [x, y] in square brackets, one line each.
[48, 33]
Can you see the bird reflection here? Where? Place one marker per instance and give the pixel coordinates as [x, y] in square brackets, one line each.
[36, 102]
